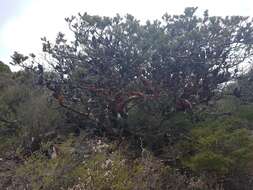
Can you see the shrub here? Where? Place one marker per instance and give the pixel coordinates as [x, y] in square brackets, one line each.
[4, 68]
[218, 149]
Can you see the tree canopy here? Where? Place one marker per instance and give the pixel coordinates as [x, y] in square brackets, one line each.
[114, 64]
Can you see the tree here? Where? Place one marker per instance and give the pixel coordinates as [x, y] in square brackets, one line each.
[116, 64]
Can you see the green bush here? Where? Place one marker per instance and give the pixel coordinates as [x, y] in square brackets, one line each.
[26, 112]
[4, 68]
[217, 149]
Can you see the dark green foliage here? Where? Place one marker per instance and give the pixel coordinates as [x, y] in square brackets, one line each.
[116, 63]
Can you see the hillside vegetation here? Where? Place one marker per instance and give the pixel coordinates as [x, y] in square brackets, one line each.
[163, 105]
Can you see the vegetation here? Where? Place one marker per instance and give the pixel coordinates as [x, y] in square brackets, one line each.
[125, 105]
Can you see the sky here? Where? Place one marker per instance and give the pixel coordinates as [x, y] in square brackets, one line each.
[24, 22]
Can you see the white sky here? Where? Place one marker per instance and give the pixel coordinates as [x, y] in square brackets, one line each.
[26, 21]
